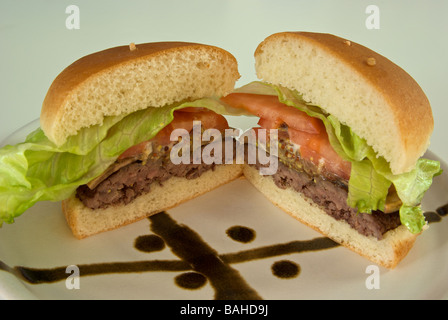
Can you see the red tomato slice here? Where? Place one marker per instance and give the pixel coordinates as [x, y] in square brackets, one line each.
[307, 132]
[182, 120]
[270, 123]
[268, 107]
[134, 150]
[317, 147]
[208, 119]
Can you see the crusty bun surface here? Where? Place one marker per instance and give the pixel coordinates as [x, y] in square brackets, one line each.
[125, 79]
[387, 252]
[85, 222]
[364, 90]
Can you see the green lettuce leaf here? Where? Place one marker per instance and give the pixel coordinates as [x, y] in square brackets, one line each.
[38, 170]
[367, 188]
[370, 177]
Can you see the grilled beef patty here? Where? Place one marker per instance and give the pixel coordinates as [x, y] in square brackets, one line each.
[136, 178]
[328, 191]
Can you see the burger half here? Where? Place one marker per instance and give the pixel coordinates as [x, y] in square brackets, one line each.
[105, 142]
[352, 127]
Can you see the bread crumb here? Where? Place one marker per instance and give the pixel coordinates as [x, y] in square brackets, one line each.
[348, 43]
[132, 46]
[371, 62]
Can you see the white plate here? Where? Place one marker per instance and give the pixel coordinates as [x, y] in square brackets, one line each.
[40, 240]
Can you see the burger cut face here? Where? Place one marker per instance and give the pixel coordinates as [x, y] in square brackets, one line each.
[309, 164]
[306, 135]
[148, 162]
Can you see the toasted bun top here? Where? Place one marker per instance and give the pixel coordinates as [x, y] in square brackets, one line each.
[125, 79]
[364, 90]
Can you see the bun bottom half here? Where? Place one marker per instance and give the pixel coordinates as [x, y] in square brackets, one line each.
[387, 252]
[85, 222]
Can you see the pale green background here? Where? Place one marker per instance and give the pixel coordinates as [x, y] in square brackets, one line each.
[35, 44]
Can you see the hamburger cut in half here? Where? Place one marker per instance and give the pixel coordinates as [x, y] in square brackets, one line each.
[352, 127]
[105, 143]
